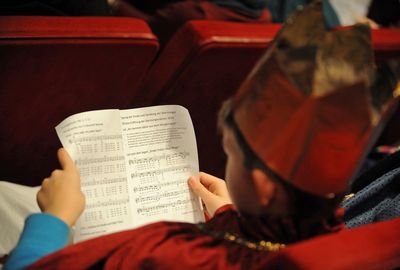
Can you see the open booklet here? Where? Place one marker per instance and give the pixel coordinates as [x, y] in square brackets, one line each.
[134, 165]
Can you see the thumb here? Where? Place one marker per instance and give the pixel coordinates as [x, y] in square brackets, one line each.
[65, 160]
[199, 189]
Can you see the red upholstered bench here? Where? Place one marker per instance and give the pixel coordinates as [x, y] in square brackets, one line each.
[206, 61]
[52, 67]
[371, 247]
[202, 65]
[386, 44]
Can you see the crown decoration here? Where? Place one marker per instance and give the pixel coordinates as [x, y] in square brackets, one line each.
[312, 106]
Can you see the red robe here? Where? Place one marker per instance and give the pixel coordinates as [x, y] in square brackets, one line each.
[171, 245]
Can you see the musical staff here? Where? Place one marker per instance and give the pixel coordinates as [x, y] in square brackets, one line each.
[149, 188]
[136, 161]
[104, 181]
[163, 206]
[107, 191]
[97, 144]
[176, 158]
[179, 169]
[100, 214]
[157, 197]
[97, 138]
[107, 203]
[87, 161]
[102, 169]
[158, 161]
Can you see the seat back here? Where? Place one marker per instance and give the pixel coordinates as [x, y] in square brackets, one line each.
[203, 64]
[371, 247]
[386, 44]
[52, 67]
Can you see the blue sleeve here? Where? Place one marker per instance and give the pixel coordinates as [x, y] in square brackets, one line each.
[330, 16]
[42, 235]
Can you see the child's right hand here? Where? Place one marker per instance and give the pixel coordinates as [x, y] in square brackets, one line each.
[212, 191]
[60, 194]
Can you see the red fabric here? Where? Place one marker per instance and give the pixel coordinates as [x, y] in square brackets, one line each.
[371, 247]
[312, 130]
[386, 43]
[182, 246]
[311, 139]
[167, 245]
[156, 246]
[220, 210]
[224, 208]
[42, 27]
[52, 67]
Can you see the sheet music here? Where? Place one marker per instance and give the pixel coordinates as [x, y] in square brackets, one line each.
[134, 165]
[161, 154]
[94, 141]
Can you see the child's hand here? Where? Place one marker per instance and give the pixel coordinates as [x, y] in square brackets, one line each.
[211, 190]
[60, 194]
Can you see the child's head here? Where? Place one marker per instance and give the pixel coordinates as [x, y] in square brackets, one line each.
[256, 189]
[298, 127]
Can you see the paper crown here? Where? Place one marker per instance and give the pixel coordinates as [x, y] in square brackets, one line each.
[311, 107]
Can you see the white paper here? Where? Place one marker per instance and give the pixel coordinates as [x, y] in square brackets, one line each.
[134, 165]
[161, 154]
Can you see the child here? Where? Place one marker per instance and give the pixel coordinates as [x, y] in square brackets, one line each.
[293, 135]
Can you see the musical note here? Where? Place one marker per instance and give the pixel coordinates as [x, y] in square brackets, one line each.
[104, 181]
[179, 169]
[158, 197]
[163, 206]
[82, 162]
[146, 188]
[107, 203]
[97, 138]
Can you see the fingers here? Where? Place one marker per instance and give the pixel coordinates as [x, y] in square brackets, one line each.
[208, 179]
[65, 160]
[45, 183]
[199, 189]
[41, 198]
[67, 164]
[60, 194]
[211, 190]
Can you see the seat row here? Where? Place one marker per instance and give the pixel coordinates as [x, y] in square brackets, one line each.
[53, 67]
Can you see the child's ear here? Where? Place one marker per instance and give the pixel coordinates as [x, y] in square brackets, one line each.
[264, 187]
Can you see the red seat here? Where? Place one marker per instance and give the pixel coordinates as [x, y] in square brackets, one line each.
[205, 63]
[202, 65]
[52, 67]
[386, 44]
[370, 247]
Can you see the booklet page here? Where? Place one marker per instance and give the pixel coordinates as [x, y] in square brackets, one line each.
[94, 141]
[134, 165]
[161, 153]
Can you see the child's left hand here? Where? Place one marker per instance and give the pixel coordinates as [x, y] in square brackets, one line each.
[60, 194]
